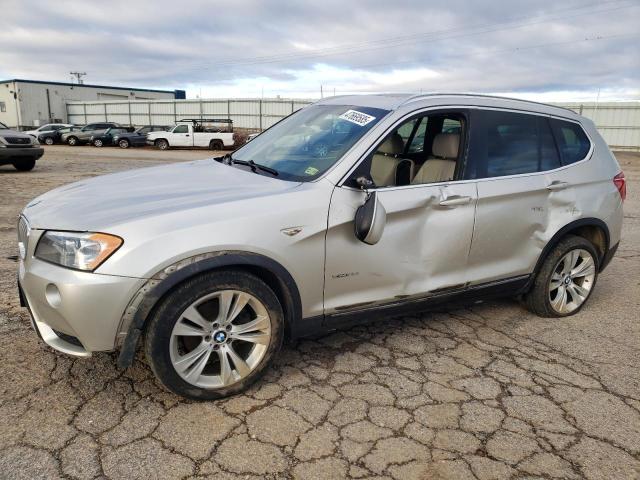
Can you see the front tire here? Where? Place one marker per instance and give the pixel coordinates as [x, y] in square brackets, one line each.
[73, 141]
[162, 144]
[24, 165]
[48, 141]
[566, 279]
[123, 143]
[98, 143]
[214, 335]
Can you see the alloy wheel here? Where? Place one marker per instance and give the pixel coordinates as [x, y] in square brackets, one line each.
[572, 281]
[220, 339]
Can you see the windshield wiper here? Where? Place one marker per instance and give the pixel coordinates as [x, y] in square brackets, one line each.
[254, 166]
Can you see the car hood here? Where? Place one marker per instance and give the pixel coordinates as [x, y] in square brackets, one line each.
[7, 132]
[100, 203]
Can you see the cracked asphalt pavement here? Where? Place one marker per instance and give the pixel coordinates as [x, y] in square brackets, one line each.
[487, 391]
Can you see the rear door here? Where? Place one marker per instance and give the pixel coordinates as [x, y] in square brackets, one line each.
[514, 159]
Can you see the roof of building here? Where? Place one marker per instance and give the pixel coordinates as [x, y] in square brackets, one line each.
[67, 84]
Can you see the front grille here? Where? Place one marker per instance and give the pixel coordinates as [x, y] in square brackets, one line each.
[18, 140]
[23, 236]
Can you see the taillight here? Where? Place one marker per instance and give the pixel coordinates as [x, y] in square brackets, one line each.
[621, 184]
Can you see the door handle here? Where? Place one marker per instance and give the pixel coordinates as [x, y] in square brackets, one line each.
[557, 185]
[454, 201]
[186, 135]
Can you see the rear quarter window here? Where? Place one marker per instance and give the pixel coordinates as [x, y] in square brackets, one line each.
[573, 143]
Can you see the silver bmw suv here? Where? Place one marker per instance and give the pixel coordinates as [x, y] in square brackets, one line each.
[351, 208]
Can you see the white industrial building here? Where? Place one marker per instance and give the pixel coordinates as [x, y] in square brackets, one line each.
[29, 103]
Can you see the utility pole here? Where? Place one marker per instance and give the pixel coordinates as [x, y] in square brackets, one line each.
[78, 76]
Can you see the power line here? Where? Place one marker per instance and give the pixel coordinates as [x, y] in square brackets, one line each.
[508, 50]
[416, 38]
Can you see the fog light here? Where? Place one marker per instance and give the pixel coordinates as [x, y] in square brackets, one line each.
[52, 295]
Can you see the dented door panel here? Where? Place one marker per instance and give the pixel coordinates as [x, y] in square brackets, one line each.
[424, 246]
[513, 219]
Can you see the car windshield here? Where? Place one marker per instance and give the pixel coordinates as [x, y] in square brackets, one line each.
[306, 144]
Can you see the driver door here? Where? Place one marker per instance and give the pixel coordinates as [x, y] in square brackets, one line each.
[425, 244]
[181, 136]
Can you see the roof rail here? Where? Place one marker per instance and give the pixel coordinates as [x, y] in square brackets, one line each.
[203, 119]
[481, 95]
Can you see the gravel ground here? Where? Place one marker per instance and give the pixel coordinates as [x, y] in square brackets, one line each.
[487, 392]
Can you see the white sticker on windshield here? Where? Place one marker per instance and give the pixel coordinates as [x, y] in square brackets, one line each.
[356, 117]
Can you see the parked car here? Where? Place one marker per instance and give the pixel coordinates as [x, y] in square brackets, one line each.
[54, 136]
[100, 139]
[48, 128]
[18, 149]
[213, 262]
[205, 133]
[138, 138]
[84, 135]
[251, 136]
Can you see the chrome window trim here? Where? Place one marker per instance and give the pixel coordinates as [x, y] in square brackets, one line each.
[356, 164]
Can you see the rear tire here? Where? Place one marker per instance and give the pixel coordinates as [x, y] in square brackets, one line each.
[189, 338]
[73, 141]
[98, 143]
[566, 279]
[48, 141]
[123, 143]
[24, 165]
[216, 145]
[162, 144]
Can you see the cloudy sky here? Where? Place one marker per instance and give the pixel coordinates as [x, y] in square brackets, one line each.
[542, 49]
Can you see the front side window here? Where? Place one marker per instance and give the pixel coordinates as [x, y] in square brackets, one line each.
[425, 149]
[181, 129]
[306, 144]
[573, 143]
[507, 143]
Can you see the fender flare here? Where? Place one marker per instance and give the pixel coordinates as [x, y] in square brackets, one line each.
[163, 282]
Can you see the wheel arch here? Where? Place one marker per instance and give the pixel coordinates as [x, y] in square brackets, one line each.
[593, 229]
[142, 306]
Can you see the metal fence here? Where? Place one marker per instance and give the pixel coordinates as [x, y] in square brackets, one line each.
[254, 114]
[618, 122]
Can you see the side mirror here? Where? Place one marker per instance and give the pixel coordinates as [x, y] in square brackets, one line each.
[370, 220]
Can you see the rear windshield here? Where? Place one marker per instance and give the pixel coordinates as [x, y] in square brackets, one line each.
[306, 144]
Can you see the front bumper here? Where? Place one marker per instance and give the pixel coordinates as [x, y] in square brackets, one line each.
[74, 312]
[13, 154]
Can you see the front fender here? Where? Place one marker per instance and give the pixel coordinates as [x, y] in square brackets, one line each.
[142, 304]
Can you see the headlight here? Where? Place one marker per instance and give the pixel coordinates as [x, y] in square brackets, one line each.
[81, 251]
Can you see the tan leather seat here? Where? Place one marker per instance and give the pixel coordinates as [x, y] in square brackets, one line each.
[384, 165]
[442, 165]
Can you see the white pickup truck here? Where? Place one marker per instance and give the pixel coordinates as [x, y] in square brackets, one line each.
[195, 133]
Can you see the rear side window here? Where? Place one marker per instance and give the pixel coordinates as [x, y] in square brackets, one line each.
[506, 143]
[572, 142]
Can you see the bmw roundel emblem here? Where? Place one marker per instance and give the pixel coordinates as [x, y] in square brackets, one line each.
[220, 336]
